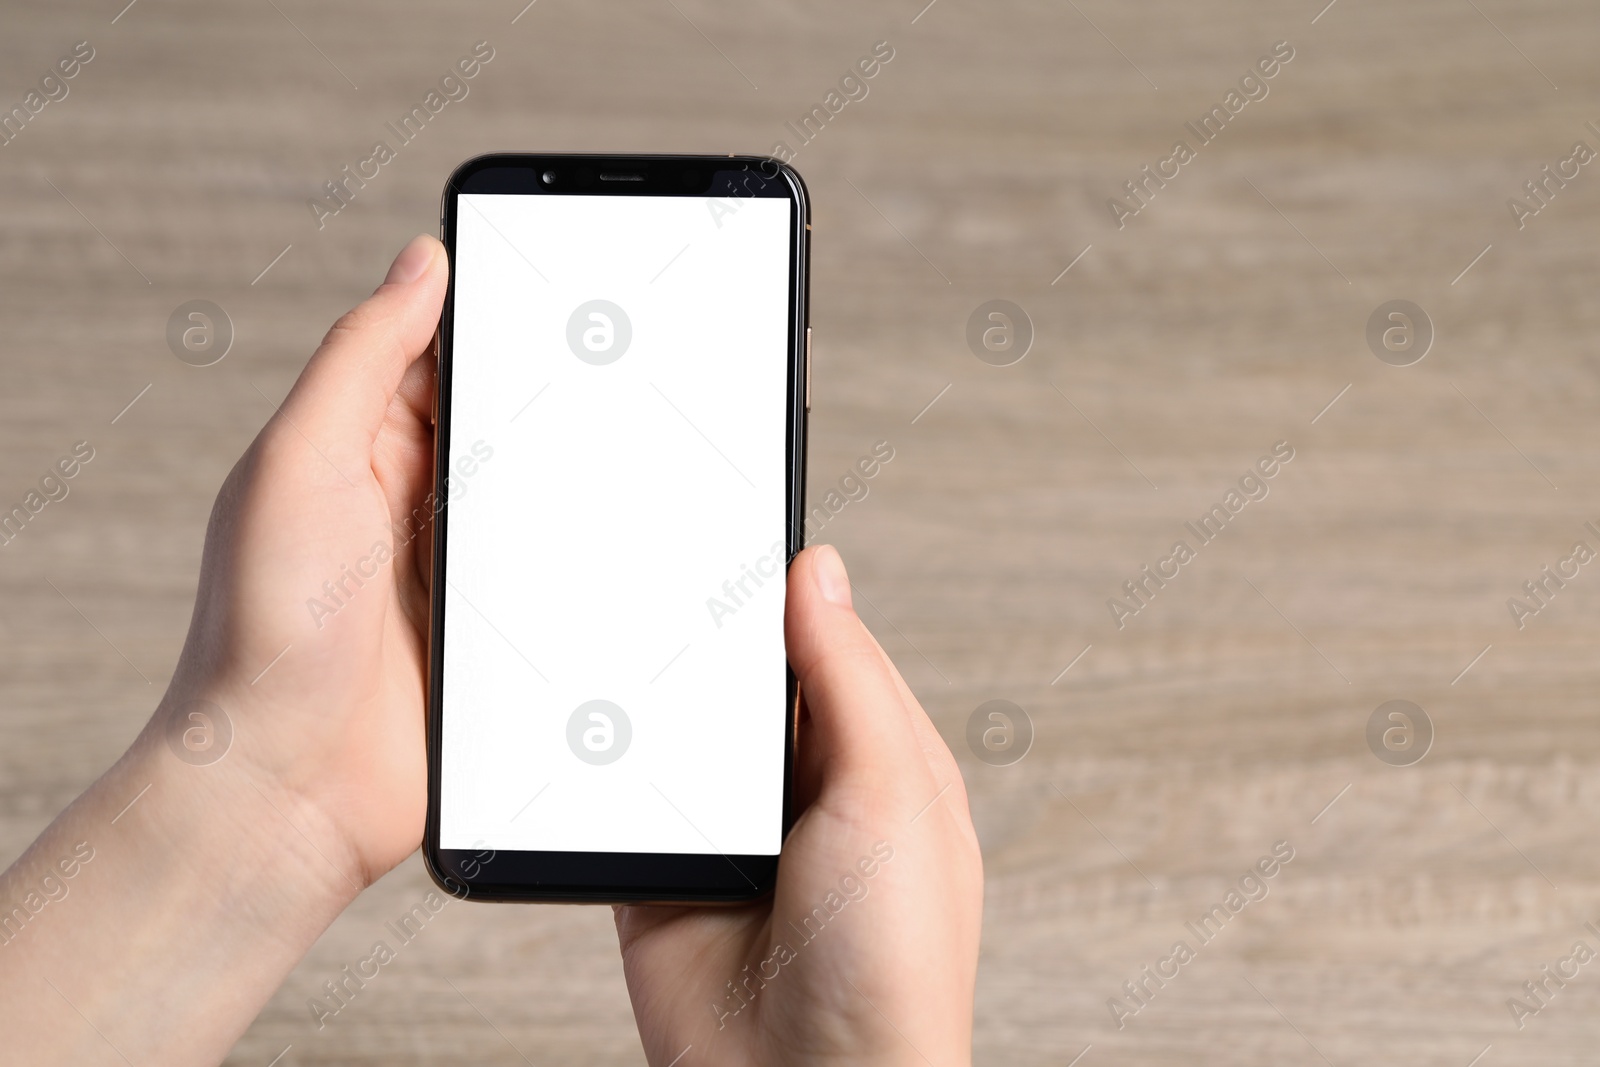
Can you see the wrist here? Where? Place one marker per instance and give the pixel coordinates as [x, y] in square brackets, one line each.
[210, 883]
[228, 822]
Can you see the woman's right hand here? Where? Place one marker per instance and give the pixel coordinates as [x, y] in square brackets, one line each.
[867, 953]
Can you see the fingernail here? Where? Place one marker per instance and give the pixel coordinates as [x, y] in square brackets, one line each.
[412, 261]
[831, 576]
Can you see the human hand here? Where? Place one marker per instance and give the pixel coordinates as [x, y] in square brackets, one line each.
[310, 628]
[867, 951]
[199, 879]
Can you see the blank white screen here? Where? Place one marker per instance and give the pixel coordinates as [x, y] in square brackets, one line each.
[616, 501]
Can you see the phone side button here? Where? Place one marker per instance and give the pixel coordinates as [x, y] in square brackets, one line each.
[435, 354]
[808, 370]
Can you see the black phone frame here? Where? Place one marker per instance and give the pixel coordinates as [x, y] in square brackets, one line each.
[614, 877]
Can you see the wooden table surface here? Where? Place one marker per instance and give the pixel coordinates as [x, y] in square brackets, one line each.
[1226, 316]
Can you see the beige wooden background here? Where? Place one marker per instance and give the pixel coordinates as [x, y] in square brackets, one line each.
[1222, 319]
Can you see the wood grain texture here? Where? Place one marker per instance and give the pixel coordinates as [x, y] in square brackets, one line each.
[1221, 319]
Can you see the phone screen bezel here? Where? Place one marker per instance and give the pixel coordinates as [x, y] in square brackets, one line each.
[613, 877]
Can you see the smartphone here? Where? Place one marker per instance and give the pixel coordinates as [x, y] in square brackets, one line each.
[620, 477]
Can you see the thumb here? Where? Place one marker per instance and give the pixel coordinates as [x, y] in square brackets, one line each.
[858, 719]
[344, 391]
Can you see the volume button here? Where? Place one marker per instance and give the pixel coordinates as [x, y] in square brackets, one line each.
[436, 376]
[808, 370]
